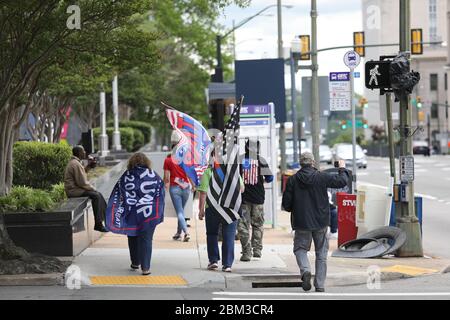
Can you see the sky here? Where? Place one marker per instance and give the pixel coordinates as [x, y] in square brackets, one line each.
[337, 21]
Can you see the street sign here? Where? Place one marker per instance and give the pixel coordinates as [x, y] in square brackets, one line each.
[406, 168]
[352, 59]
[340, 91]
[378, 75]
[357, 74]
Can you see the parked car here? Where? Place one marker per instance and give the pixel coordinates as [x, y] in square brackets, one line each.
[421, 147]
[344, 151]
[325, 154]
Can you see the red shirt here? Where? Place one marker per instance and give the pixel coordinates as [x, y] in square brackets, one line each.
[175, 171]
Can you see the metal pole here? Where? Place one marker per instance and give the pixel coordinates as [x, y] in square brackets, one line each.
[294, 110]
[116, 135]
[352, 94]
[219, 71]
[280, 55]
[408, 221]
[390, 135]
[103, 138]
[315, 108]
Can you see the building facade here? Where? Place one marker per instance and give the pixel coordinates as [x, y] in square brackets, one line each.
[381, 26]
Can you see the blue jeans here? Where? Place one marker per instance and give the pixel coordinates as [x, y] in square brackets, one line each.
[179, 198]
[141, 248]
[333, 220]
[212, 221]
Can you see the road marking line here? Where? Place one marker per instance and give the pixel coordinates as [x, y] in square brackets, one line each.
[137, 280]
[426, 196]
[445, 169]
[409, 270]
[325, 294]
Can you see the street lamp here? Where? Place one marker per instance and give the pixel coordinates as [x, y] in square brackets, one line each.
[218, 77]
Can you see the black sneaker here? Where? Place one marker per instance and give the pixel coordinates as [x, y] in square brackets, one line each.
[320, 290]
[100, 229]
[306, 281]
[256, 254]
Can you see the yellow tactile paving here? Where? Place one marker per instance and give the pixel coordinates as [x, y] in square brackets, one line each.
[409, 270]
[138, 280]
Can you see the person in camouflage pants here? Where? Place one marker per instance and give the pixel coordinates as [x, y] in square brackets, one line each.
[252, 215]
[254, 171]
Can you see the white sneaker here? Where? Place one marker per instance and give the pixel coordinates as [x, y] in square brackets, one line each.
[333, 235]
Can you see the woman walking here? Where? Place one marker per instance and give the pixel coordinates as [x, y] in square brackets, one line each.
[135, 208]
[179, 188]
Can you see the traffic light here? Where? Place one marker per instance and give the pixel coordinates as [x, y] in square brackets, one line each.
[419, 102]
[359, 42]
[305, 43]
[416, 41]
[421, 116]
[363, 103]
[344, 125]
[365, 124]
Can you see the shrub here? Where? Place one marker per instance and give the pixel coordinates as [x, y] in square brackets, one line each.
[58, 193]
[40, 165]
[25, 199]
[144, 127]
[138, 139]
[126, 137]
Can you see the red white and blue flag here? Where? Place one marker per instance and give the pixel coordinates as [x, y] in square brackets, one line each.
[191, 152]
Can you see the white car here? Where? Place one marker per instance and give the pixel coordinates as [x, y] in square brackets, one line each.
[344, 151]
[325, 154]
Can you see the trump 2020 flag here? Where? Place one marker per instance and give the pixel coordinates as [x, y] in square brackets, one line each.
[191, 152]
[136, 202]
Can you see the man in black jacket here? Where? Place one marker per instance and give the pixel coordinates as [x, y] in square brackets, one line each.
[306, 198]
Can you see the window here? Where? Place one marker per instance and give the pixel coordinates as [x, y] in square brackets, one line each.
[434, 111]
[432, 13]
[433, 82]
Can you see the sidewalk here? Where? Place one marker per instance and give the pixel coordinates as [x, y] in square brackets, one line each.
[181, 264]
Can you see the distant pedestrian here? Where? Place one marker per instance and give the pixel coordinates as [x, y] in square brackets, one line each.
[180, 187]
[76, 185]
[307, 199]
[254, 171]
[135, 208]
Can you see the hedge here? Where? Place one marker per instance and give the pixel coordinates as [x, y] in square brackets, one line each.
[127, 139]
[39, 165]
[144, 127]
[25, 199]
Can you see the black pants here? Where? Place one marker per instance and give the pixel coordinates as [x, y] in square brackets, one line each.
[98, 205]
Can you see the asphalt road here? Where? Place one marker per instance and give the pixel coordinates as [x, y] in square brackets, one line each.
[421, 288]
[432, 182]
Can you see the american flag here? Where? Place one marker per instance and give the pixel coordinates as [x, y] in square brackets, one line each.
[224, 193]
[191, 152]
[250, 170]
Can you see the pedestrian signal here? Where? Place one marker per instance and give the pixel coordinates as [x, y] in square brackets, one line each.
[377, 75]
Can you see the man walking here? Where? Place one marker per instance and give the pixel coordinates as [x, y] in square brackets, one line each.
[76, 185]
[255, 171]
[306, 198]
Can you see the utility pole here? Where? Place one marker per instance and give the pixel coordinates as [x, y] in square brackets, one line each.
[116, 135]
[391, 136]
[280, 55]
[315, 108]
[294, 109]
[407, 221]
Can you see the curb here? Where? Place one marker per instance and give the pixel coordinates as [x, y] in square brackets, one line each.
[52, 279]
[293, 280]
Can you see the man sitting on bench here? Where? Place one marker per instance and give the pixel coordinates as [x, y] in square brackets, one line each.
[77, 185]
